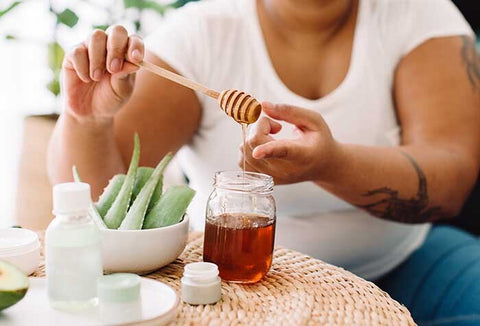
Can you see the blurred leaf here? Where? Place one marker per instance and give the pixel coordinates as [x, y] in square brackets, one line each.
[180, 3]
[10, 37]
[67, 17]
[13, 5]
[155, 7]
[55, 56]
[54, 86]
[102, 27]
[145, 4]
[132, 3]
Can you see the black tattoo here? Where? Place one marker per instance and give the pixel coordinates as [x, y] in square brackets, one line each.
[409, 210]
[471, 59]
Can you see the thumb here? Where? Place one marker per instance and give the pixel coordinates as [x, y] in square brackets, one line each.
[122, 84]
[302, 118]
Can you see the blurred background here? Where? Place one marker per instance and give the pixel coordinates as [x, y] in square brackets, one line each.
[34, 35]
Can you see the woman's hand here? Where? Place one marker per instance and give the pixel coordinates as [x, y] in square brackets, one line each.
[97, 78]
[308, 157]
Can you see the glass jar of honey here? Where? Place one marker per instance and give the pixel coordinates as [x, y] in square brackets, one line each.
[240, 226]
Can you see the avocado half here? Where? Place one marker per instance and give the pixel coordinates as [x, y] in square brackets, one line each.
[13, 285]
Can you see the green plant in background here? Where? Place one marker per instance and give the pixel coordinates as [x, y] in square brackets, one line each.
[6, 11]
[9, 8]
[68, 17]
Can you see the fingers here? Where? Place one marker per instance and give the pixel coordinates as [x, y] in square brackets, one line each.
[261, 131]
[302, 118]
[136, 49]
[135, 53]
[117, 42]
[250, 164]
[77, 60]
[106, 52]
[97, 49]
[266, 126]
[275, 149]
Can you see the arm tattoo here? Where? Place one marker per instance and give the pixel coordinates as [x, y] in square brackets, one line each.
[407, 210]
[471, 59]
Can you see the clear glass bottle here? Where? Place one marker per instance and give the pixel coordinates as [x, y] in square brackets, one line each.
[240, 226]
[72, 249]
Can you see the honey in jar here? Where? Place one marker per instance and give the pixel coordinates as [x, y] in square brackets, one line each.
[240, 226]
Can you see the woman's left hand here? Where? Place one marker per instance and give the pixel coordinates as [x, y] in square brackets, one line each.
[309, 157]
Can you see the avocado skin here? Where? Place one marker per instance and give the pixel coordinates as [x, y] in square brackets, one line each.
[9, 298]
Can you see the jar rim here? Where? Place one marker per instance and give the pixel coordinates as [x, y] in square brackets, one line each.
[252, 182]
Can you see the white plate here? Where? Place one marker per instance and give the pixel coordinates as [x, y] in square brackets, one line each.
[159, 306]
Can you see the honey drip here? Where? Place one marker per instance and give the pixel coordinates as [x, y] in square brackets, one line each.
[244, 136]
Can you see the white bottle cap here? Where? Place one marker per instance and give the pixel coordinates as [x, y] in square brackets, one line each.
[71, 198]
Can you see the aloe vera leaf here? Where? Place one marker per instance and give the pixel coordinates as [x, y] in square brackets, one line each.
[110, 193]
[170, 208]
[143, 174]
[136, 213]
[156, 194]
[118, 210]
[76, 176]
[95, 216]
[92, 211]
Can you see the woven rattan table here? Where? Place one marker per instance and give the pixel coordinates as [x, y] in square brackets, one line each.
[298, 290]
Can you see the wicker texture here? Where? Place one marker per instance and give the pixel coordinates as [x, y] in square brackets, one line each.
[298, 290]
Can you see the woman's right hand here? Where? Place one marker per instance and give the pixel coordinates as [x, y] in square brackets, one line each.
[97, 79]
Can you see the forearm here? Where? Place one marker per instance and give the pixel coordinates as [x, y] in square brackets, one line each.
[91, 146]
[411, 184]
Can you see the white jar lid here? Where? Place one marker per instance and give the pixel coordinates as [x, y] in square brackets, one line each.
[201, 272]
[118, 287]
[16, 241]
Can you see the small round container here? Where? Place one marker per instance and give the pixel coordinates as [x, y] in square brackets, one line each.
[201, 284]
[21, 248]
[119, 298]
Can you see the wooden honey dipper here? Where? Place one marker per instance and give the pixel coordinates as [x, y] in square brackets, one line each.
[242, 107]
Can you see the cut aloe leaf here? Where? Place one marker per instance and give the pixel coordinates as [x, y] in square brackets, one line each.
[143, 174]
[170, 208]
[76, 176]
[156, 194]
[95, 216]
[118, 210]
[136, 213]
[109, 194]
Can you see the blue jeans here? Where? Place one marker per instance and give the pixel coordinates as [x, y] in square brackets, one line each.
[440, 282]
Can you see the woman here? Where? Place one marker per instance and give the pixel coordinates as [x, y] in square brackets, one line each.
[379, 137]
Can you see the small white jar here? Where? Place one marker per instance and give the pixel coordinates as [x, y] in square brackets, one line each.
[21, 248]
[201, 284]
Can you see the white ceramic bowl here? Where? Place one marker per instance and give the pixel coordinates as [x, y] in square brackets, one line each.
[143, 251]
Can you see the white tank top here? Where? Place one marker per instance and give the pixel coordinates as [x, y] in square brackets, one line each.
[219, 43]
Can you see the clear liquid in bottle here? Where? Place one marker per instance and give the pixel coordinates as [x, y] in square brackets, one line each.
[72, 252]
